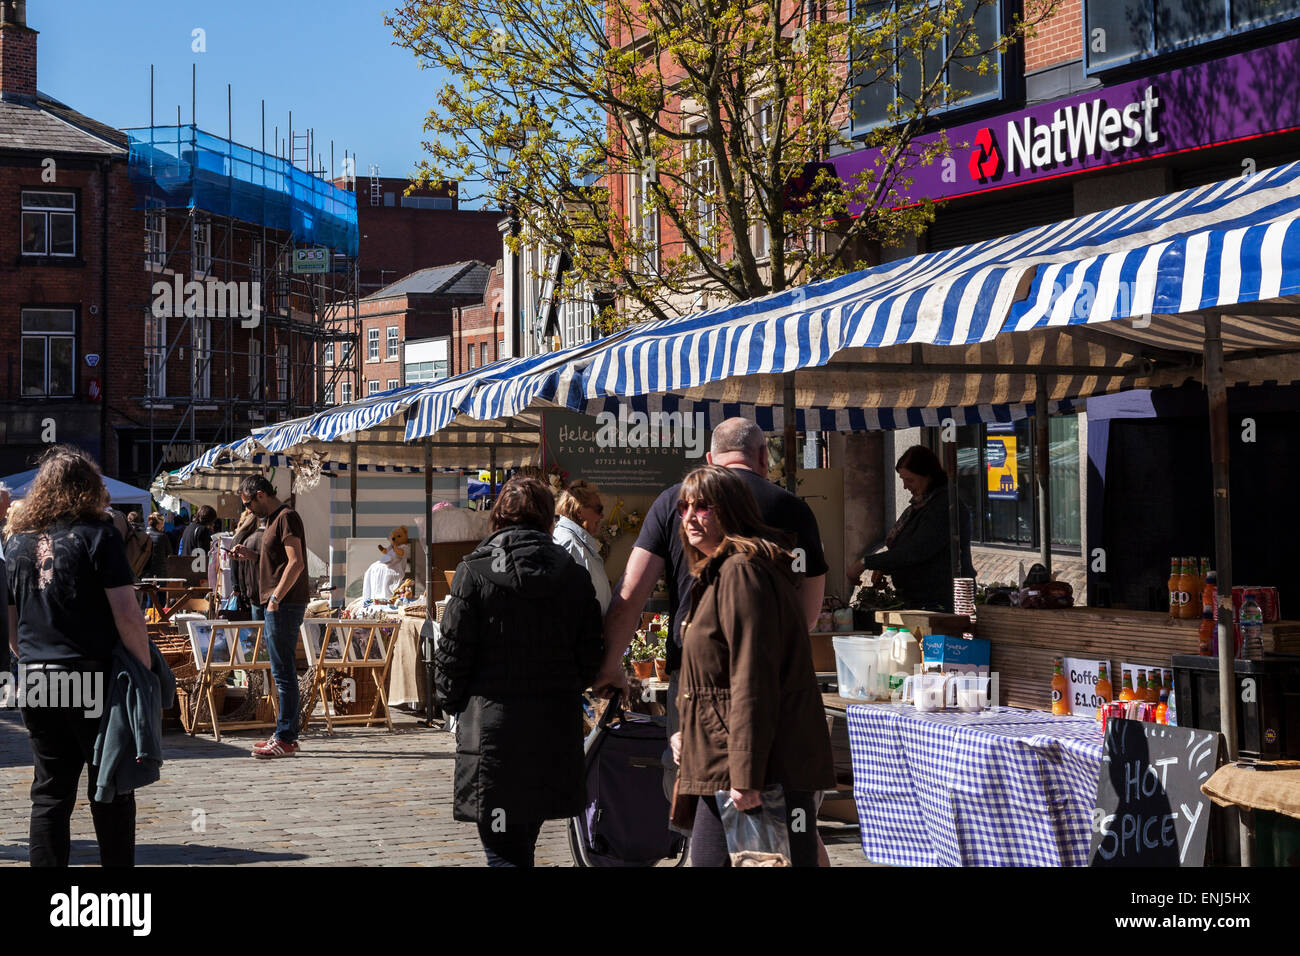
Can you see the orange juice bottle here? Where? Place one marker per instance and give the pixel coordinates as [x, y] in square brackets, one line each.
[1105, 692]
[1060, 691]
[1187, 589]
[1154, 690]
[1175, 573]
[1162, 708]
[1126, 691]
[1140, 691]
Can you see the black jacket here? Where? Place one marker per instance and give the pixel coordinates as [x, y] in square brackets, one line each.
[919, 563]
[521, 639]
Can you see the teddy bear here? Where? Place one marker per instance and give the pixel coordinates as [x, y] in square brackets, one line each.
[395, 556]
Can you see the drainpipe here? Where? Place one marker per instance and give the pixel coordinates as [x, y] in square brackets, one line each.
[105, 168]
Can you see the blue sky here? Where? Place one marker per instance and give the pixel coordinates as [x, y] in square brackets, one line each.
[330, 61]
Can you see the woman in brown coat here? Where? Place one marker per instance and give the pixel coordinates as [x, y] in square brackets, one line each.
[751, 711]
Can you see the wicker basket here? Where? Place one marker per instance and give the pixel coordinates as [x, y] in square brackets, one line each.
[194, 708]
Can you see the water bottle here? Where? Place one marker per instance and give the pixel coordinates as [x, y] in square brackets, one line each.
[1252, 629]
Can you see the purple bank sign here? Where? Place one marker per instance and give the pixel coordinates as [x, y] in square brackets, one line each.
[1234, 98]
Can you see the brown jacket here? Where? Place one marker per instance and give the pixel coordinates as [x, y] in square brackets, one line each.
[751, 711]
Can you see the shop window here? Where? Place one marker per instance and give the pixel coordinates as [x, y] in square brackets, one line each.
[1117, 32]
[879, 100]
[48, 345]
[49, 223]
[995, 478]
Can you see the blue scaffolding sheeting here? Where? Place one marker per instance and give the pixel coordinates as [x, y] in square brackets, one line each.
[182, 167]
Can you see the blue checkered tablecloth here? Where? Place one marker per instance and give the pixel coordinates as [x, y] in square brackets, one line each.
[1004, 787]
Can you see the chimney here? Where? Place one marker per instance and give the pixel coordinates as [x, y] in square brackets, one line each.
[17, 53]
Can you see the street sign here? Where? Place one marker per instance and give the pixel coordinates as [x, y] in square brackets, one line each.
[311, 259]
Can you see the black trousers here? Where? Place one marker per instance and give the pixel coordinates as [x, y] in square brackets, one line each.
[709, 840]
[63, 742]
[513, 846]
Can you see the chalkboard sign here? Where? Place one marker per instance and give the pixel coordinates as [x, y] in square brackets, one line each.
[627, 453]
[1150, 810]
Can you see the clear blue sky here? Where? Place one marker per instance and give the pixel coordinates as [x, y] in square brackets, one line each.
[330, 61]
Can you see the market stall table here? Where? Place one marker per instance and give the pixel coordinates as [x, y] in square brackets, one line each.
[1003, 787]
[169, 600]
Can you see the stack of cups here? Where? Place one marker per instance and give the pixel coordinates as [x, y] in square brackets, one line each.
[963, 597]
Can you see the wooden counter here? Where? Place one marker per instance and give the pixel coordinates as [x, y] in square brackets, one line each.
[1024, 643]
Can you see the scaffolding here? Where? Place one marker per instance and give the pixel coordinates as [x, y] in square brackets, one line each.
[254, 295]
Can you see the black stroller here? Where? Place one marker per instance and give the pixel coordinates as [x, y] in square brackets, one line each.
[625, 822]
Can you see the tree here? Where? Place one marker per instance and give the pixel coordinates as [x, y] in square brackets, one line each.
[672, 147]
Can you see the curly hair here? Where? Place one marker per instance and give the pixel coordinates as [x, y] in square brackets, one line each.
[68, 487]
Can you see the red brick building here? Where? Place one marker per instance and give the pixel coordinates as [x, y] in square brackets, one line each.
[401, 234]
[70, 276]
[480, 334]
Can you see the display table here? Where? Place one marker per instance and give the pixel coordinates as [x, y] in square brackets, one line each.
[1004, 787]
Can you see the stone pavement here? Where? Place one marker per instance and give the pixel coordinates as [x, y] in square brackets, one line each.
[363, 797]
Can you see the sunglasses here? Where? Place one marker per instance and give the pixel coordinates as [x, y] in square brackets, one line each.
[701, 510]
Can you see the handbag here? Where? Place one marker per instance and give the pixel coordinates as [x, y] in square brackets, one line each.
[682, 813]
[235, 608]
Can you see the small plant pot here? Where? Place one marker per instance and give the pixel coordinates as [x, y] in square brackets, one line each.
[661, 669]
[644, 670]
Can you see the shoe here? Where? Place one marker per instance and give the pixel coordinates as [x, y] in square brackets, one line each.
[275, 747]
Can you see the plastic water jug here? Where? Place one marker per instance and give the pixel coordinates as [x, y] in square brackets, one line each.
[906, 651]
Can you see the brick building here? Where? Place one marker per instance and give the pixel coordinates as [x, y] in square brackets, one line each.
[69, 267]
[423, 306]
[401, 234]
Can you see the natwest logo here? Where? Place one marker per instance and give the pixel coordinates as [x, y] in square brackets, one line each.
[1078, 131]
[985, 160]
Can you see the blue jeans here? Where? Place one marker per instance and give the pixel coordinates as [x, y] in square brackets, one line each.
[258, 612]
[281, 630]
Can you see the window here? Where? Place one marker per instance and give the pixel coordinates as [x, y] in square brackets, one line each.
[49, 223]
[155, 238]
[328, 357]
[372, 387]
[419, 372]
[201, 357]
[347, 353]
[256, 258]
[471, 357]
[501, 349]
[282, 372]
[155, 353]
[392, 384]
[1122, 31]
[762, 234]
[345, 390]
[392, 341]
[329, 393]
[254, 368]
[875, 92]
[48, 347]
[703, 183]
[645, 220]
[426, 202]
[202, 251]
[995, 468]
[372, 345]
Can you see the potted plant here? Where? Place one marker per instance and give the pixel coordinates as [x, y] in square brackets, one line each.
[642, 656]
[661, 656]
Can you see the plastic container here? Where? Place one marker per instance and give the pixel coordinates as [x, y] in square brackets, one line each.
[856, 664]
[1252, 629]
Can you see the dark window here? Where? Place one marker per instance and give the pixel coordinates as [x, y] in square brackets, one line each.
[49, 223]
[1122, 31]
[875, 93]
[48, 348]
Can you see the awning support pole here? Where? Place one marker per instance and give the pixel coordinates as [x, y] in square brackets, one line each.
[352, 485]
[492, 471]
[954, 507]
[1217, 391]
[1043, 472]
[430, 612]
[787, 383]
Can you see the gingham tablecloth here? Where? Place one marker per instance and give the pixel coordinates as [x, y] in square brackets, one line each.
[1000, 788]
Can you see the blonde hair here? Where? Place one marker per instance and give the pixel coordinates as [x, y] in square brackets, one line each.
[580, 494]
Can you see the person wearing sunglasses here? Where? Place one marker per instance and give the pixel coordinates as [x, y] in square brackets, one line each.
[579, 512]
[749, 706]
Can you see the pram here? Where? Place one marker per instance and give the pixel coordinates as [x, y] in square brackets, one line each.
[625, 822]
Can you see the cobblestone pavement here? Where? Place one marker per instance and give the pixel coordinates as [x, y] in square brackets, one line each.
[363, 796]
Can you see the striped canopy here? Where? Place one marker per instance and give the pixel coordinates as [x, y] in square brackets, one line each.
[1100, 303]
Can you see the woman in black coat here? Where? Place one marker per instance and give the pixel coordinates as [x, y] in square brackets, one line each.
[918, 558]
[521, 640]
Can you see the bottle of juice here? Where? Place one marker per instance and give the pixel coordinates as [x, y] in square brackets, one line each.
[1189, 587]
[1104, 691]
[1140, 691]
[1154, 688]
[1209, 607]
[1162, 708]
[1126, 690]
[1175, 572]
[1060, 688]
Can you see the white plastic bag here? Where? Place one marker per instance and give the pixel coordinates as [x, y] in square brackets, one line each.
[758, 837]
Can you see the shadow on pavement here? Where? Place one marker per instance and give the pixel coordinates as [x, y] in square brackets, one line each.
[86, 853]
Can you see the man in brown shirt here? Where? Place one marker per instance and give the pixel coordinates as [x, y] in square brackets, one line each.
[283, 594]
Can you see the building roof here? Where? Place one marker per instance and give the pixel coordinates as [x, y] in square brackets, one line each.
[460, 278]
[53, 127]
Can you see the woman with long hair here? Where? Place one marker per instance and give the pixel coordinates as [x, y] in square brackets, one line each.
[71, 604]
[521, 639]
[751, 710]
[918, 556]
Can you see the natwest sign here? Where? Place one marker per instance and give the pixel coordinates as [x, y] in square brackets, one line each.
[1205, 104]
[1082, 130]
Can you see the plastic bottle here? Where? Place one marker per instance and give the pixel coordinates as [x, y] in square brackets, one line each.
[1252, 628]
[1126, 690]
[1175, 572]
[1154, 689]
[1171, 715]
[1162, 708]
[1060, 688]
[1189, 586]
[1209, 607]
